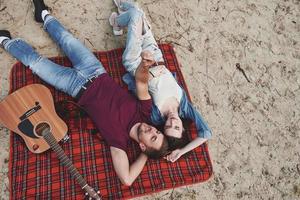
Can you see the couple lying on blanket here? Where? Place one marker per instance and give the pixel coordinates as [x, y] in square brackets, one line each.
[119, 115]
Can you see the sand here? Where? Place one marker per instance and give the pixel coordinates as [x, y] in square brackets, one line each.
[241, 62]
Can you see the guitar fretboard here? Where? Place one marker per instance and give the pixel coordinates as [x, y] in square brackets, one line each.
[63, 158]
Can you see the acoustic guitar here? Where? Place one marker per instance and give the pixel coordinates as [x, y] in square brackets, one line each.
[30, 113]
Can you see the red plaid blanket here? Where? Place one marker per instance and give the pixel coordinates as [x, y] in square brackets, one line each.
[40, 176]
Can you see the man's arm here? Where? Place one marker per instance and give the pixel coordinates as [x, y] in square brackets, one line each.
[127, 173]
[142, 76]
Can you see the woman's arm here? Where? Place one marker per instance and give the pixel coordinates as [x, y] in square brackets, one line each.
[142, 76]
[203, 131]
[188, 111]
[190, 146]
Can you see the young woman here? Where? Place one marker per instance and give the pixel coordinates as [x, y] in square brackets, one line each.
[170, 101]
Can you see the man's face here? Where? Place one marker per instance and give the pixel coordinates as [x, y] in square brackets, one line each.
[149, 136]
[173, 126]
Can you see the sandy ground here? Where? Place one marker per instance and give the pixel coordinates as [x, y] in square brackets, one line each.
[254, 117]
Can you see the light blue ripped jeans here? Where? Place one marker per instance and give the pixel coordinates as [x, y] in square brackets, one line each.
[139, 37]
[66, 79]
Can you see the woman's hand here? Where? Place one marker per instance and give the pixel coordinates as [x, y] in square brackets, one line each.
[172, 157]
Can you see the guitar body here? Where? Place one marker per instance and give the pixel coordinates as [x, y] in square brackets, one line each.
[30, 113]
[25, 110]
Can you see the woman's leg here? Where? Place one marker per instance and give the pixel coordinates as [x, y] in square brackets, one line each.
[132, 54]
[139, 36]
[63, 78]
[82, 58]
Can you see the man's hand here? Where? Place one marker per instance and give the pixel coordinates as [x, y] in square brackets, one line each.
[174, 155]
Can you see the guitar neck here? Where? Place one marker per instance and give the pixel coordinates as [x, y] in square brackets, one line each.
[49, 138]
[64, 159]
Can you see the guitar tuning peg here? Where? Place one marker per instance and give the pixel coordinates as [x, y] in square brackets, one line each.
[98, 192]
[86, 194]
[90, 198]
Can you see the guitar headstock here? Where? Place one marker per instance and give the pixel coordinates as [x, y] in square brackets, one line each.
[91, 193]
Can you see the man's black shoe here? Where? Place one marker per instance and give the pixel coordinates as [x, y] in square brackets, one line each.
[5, 33]
[39, 6]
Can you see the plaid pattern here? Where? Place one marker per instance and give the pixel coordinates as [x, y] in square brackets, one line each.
[40, 176]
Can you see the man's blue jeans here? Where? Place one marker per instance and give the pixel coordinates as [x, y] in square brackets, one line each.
[66, 79]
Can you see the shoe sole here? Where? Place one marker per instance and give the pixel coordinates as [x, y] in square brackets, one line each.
[33, 11]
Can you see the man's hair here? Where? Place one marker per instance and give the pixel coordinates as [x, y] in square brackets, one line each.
[178, 143]
[156, 154]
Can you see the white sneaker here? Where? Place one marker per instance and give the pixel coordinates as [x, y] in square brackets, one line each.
[118, 4]
[117, 30]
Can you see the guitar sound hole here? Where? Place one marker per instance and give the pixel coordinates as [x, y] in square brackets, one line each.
[41, 127]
